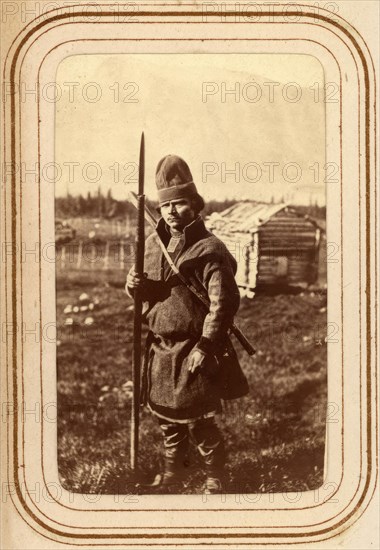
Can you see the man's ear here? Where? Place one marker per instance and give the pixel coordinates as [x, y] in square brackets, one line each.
[158, 210]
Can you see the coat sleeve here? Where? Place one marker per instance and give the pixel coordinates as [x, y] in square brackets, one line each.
[223, 293]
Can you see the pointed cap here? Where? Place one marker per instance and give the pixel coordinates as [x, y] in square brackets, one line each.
[174, 179]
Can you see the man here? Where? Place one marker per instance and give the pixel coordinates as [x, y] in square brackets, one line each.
[189, 361]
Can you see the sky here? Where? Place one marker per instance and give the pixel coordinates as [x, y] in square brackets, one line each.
[250, 126]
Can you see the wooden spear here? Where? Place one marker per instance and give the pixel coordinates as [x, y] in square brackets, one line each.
[139, 267]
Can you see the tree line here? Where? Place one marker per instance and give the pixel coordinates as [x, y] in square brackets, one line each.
[100, 205]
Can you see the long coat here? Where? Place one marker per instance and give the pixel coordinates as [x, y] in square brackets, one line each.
[179, 323]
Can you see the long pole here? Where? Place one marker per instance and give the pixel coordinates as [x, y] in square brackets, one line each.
[139, 267]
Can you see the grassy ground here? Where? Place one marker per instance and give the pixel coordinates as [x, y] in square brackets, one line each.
[274, 436]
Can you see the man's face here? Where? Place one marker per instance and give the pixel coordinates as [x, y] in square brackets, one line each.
[177, 213]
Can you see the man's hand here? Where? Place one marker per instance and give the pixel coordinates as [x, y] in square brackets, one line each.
[134, 281]
[197, 360]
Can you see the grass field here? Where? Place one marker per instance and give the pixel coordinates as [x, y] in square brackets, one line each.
[275, 436]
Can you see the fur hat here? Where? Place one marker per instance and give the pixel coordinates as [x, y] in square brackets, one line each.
[174, 180]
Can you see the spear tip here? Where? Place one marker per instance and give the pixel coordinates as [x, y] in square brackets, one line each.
[141, 165]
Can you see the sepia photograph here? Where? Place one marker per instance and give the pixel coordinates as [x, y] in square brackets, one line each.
[191, 288]
[189, 274]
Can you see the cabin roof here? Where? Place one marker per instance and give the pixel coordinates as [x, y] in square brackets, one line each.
[245, 216]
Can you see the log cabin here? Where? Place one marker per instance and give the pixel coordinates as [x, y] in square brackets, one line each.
[273, 244]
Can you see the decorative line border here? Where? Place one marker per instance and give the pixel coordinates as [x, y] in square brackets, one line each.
[368, 237]
[193, 509]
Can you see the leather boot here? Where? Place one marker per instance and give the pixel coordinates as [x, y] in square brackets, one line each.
[170, 476]
[215, 479]
[209, 441]
[212, 486]
[176, 441]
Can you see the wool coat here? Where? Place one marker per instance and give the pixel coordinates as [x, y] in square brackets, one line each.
[179, 323]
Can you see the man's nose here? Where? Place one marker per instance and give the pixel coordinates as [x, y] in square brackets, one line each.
[172, 208]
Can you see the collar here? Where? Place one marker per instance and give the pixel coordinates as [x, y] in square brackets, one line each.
[193, 232]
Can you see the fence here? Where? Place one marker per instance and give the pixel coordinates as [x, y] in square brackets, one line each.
[88, 255]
